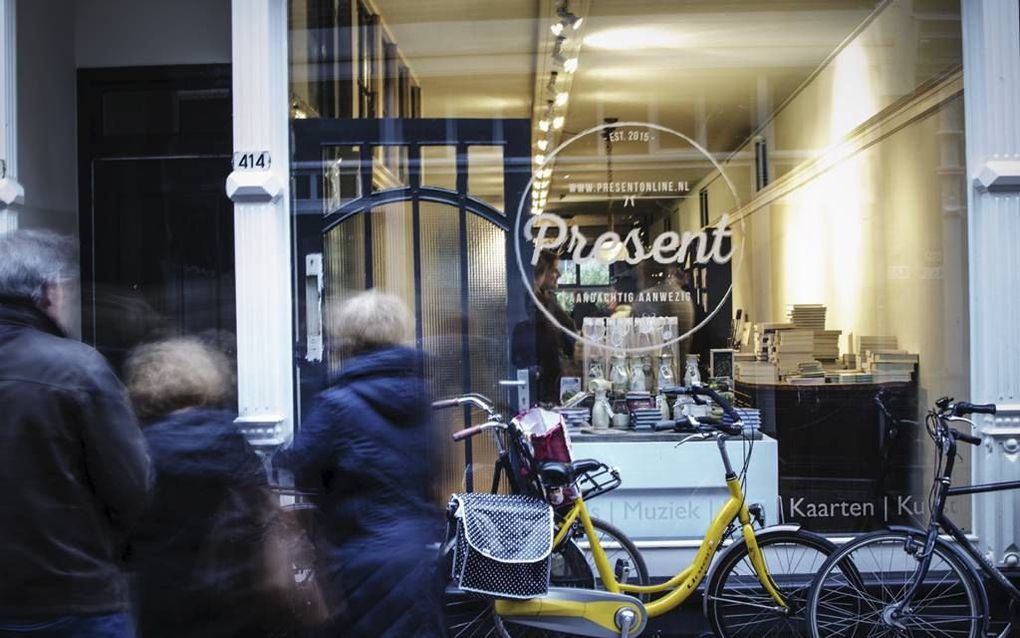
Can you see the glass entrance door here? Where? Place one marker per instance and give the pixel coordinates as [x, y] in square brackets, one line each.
[417, 208]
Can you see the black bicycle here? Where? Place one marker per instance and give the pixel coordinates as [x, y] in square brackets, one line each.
[910, 581]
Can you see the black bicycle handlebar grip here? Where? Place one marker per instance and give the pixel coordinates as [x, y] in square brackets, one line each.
[721, 402]
[966, 438]
[445, 403]
[962, 407]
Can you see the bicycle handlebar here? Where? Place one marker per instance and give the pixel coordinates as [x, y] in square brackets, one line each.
[962, 408]
[966, 438]
[477, 400]
[706, 391]
[467, 433]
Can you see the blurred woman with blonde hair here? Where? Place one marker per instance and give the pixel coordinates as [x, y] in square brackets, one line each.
[198, 552]
[364, 448]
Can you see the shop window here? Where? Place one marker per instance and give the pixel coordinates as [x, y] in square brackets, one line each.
[439, 167]
[415, 101]
[761, 164]
[404, 91]
[389, 167]
[367, 61]
[485, 174]
[340, 176]
[390, 102]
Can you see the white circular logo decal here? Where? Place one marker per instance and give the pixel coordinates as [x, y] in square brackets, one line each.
[645, 165]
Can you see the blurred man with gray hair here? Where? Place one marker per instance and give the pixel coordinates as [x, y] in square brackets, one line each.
[73, 468]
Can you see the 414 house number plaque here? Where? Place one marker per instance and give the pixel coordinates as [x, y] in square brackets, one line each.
[252, 161]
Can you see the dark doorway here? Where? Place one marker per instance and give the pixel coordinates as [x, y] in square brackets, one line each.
[157, 238]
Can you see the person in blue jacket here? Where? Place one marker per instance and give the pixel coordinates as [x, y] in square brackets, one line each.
[366, 448]
[198, 550]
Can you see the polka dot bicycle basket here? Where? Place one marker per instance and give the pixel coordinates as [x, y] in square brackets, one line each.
[503, 545]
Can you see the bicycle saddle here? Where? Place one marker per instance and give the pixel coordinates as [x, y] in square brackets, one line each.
[555, 473]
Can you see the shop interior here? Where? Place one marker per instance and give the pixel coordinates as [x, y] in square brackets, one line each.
[826, 138]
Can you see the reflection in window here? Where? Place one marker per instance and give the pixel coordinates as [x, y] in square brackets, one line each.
[439, 167]
[340, 183]
[594, 273]
[568, 273]
[485, 174]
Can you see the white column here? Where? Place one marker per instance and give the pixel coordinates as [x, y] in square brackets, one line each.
[11, 192]
[262, 220]
[991, 37]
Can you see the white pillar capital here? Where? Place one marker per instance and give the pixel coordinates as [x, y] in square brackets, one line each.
[259, 190]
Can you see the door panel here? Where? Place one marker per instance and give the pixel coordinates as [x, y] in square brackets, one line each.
[390, 204]
[162, 252]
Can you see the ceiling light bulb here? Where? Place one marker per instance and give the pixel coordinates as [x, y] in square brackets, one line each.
[561, 99]
[577, 22]
[557, 122]
[556, 28]
[540, 159]
[543, 125]
[570, 65]
[542, 144]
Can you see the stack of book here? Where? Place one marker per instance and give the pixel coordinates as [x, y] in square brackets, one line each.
[865, 345]
[765, 335]
[792, 348]
[809, 373]
[856, 377]
[811, 316]
[755, 371]
[827, 346]
[891, 366]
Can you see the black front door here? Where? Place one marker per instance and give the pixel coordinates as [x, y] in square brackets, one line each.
[156, 226]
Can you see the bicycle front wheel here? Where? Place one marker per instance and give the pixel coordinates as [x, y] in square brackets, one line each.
[873, 602]
[738, 606]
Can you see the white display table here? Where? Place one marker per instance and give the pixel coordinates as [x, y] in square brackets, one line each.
[670, 494]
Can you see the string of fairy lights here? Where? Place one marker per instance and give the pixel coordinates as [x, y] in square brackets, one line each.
[555, 94]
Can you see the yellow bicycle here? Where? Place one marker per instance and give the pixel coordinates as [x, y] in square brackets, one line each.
[755, 586]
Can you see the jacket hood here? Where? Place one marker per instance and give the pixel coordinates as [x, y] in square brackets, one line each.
[390, 381]
[202, 444]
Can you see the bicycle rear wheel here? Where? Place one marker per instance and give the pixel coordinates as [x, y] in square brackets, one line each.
[738, 606]
[948, 603]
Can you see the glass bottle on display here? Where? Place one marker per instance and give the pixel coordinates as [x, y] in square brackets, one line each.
[595, 374]
[667, 375]
[602, 411]
[638, 380]
[691, 374]
[618, 374]
[662, 403]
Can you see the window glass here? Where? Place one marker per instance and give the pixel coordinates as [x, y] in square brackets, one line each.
[763, 193]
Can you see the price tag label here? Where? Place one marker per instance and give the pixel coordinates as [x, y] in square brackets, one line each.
[252, 161]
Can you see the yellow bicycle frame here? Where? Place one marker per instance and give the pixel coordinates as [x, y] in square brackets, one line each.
[681, 586]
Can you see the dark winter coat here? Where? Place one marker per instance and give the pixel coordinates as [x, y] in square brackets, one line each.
[197, 552]
[365, 445]
[73, 471]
